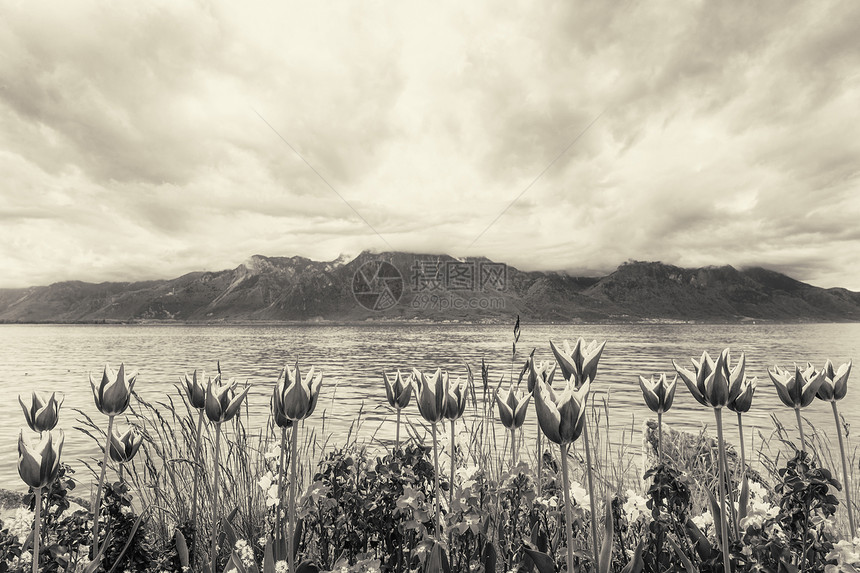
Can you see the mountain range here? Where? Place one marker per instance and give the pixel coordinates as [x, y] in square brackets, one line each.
[406, 286]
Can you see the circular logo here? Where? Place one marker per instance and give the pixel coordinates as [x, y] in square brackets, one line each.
[377, 285]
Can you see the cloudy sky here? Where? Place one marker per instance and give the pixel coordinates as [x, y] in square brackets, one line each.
[145, 140]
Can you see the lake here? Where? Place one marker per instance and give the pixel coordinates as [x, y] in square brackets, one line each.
[352, 358]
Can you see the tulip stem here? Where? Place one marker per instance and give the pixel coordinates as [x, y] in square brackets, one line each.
[436, 483]
[724, 528]
[98, 501]
[539, 463]
[36, 524]
[279, 534]
[596, 547]
[293, 454]
[845, 482]
[451, 483]
[660, 437]
[800, 427]
[196, 471]
[743, 447]
[513, 448]
[397, 435]
[568, 518]
[214, 544]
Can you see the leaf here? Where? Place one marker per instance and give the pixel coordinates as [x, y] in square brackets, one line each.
[297, 536]
[541, 560]
[718, 520]
[488, 558]
[181, 548]
[307, 566]
[608, 537]
[438, 561]
[703, 546]
[269, 557]
[127, 542]
[685, 561]
[744, 500]
[229, 532]
[636, 564]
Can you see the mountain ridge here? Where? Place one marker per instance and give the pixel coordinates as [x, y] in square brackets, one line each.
[424, 287]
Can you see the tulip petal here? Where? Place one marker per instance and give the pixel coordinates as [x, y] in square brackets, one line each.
[548, 415]
[690, 379]
[505, 414]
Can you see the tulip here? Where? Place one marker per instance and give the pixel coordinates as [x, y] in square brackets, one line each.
[281, 420]
[196, 393]
[43, 413]
[398, 394]
[432, 398]
[295, 399]
[123, 447]
[833, 388]
[38, 467]
[512, 413]
[222, 404]
[545, 372]
[741, 390]
[709, 385]
[579, 366]
[113, 392]
[659, 395]
[562, 419]
[112, 397]
[455, 405]
[797, 390]
[579, 361]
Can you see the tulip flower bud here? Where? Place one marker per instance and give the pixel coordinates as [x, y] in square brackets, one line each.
[796, 390]
[222, 402]
[296, 396]
[658, 394]
[741, 395]
[39, 466]
[123, 447]
[455, 403]
[194, 390]
[561, 418]
[431, 394]
[397, 391]
[543, 371]
[512, 410]
[43, 413]
[579, 362]
[709, 384]
[114, 391]
[835, 384]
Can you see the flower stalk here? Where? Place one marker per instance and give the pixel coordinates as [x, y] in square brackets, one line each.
[294, 452]
[213, 545]
[568, 517]
[718, 414]
[98, 500]
[833, 388]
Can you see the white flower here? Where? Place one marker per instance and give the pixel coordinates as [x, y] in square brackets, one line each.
[265, 482]
[282, 567]
[579, 495]
[636, 507]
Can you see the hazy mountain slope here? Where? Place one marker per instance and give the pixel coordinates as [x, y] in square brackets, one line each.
[296, 288]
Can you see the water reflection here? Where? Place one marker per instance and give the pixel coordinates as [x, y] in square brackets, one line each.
[352, 359]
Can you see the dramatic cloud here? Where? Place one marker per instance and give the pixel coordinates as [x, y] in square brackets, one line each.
[148, 140]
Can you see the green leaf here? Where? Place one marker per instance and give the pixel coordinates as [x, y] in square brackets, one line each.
[438, 561]
[269, 557]
[744, 499]
[229, 532]
[637, 564]
[718, 521]
[127, 542]
[297, 536]
[703, 546]
[488, 557]
[181, 548]
[608, 537]
[685, 561]
[542, 561]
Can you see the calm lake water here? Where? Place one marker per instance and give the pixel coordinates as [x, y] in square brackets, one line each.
[58, 358]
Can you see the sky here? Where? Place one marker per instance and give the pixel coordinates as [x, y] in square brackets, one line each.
[144, 140]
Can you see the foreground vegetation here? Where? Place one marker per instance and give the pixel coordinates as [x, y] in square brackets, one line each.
[189, 485]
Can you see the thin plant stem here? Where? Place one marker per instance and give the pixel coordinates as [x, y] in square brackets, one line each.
[36, 525]
[279, 533]
[214, 544]
[293, 473]
[451, 483]
[98, 501]
[724, 528]
[660, 437]
[596, 545]
[568, 517]
[196, 471]
[436, 483]
[539, 464]
[846, 484]
[513, 447]
[743, 447]
[800, 427]
[397, 438]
